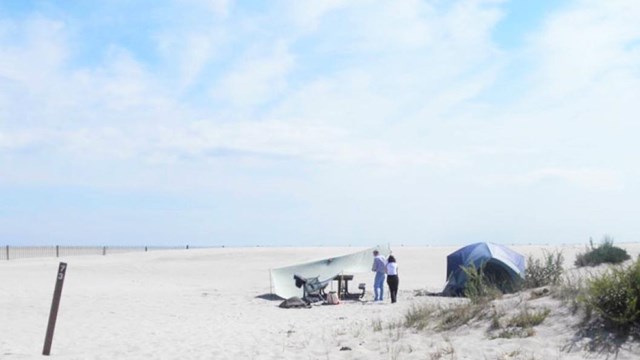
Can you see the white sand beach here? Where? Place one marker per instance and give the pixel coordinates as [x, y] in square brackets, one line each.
[212, 304]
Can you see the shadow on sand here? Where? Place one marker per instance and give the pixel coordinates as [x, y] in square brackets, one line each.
[269, 297]
[601, 340]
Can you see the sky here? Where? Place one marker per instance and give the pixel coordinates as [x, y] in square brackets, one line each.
[319, 123]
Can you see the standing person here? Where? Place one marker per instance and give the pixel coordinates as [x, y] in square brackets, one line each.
[380, 267]
[392, 277]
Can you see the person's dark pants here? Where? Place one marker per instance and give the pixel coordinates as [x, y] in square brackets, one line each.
[392, 281]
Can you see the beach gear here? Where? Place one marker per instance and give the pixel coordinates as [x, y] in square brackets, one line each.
[332, 298]
[312, 288]
[502, 266]
[354, 263]
[294, 303]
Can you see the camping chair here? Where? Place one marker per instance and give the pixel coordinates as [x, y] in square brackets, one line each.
[312, 288]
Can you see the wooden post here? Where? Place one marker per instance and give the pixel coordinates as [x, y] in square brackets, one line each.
[104, 250]
[57, 250]
[7, 252]
[53, 314]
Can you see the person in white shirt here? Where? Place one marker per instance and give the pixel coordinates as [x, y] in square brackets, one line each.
[392, 277]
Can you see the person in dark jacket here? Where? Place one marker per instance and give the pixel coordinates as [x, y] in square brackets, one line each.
[392, 277]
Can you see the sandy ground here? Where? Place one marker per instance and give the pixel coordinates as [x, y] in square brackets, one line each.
[212, 304]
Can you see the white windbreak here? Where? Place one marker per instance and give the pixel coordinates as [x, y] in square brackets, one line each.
[283, 284]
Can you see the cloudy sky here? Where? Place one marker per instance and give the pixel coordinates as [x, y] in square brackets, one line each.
[337, 122]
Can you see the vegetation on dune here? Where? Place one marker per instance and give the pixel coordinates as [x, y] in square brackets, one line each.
[543, 272]
[419, 316]
[615, 296]
[607, 304]
[528, 318]
[433, 317]
[455, 316]
[609, 301]
[605, 253]
[479, 287]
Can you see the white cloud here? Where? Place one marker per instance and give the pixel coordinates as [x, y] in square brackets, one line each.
[587, 46]
[363, 99]
[352, 111]
[256, 79]
[308, 14]
[189, 53]
[200, 141]
[220, 7]
[19, 140]
[33, 51]
[585, 178]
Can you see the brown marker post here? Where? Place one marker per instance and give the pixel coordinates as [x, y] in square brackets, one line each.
[53, 315]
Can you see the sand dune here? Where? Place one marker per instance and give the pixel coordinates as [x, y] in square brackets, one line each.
[211, 304]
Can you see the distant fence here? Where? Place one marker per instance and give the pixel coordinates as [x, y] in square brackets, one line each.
[20, 252]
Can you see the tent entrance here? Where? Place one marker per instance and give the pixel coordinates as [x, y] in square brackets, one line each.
[501, 277]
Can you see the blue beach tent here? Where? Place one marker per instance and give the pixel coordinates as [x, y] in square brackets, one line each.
[501, 265]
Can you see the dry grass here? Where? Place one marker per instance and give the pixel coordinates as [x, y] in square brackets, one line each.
[518, 326]
[529, 318]
[458, 315]
[376, 325]
[420, 316]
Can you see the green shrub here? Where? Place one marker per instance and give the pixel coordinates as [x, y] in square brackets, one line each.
[520, 325]
[527, 319]
[615, 294]
[544, 272]
[479, 287]
[606, 252]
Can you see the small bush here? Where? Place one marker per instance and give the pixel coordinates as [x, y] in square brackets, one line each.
[615, 295]
[479, 288]
[528, 319]
[520, 325]
[606, 252]
[544, 272]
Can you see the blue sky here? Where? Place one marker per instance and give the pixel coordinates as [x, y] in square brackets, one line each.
[335, 122]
